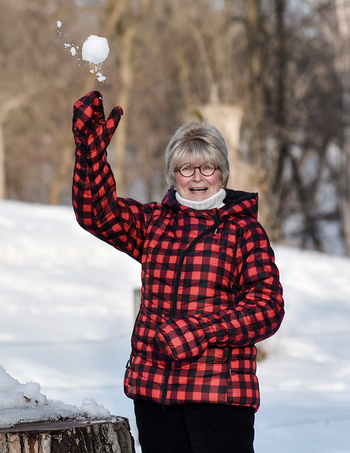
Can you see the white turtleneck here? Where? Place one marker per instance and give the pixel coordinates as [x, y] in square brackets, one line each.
[215, 201]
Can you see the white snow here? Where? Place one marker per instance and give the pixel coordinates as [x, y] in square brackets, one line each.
[24, 403]
[67, 317]
[100, 77]
[93, 409]
[95, 49]
[71, 48]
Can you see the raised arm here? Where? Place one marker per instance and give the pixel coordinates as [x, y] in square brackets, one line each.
[97, 208]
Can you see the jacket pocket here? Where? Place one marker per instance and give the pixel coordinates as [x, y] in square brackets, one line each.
[228, 355]
[128, 388]
[242, 383]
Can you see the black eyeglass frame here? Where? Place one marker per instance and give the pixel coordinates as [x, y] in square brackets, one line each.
[194, 169]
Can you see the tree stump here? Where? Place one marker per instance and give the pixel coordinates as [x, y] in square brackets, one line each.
[70, 436]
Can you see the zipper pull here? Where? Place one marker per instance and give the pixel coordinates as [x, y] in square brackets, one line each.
[217, 221]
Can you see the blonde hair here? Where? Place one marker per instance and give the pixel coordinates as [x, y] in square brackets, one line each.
[200, 142]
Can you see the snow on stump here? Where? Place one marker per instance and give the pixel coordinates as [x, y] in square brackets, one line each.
[31, 423]
[95, 436]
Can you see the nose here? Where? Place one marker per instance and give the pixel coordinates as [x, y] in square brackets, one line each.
[197, 176]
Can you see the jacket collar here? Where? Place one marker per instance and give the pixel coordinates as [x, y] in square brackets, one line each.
[237, 203]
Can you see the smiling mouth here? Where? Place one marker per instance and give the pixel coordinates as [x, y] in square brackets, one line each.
[199, 189]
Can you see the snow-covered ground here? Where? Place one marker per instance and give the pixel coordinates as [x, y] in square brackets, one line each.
[67, 314]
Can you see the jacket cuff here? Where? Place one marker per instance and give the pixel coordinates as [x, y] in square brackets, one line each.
[213, 330]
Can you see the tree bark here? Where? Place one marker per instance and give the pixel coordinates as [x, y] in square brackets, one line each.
[2, 160]
[106, 436]
[277, 189]
[343, 63]
[253, 27]
[63, 168]
[126, 81]
[6, 107]
[255, 44]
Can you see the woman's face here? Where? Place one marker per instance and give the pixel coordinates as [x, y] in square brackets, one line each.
[197, 187]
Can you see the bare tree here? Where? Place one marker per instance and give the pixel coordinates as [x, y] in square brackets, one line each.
[269, 75]
[342, 48]
[128, 27]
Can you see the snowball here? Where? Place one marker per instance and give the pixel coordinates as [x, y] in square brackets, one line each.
[95, 49]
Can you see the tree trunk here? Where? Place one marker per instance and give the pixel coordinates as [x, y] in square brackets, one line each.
[343, 64]
[6, 106]
[345, 192]
[63, 168]
[253, 27]
[2, 160]
[277, 190]
[255, 45]
[126, 80]
[228, 120]
[106, 436]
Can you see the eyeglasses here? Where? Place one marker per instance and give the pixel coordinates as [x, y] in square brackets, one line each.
[188, 170]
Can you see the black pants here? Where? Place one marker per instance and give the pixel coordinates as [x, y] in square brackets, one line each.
[194, 428]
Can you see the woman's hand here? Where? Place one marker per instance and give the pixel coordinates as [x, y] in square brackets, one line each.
[182, 338]
[185, 337]
[90, 129]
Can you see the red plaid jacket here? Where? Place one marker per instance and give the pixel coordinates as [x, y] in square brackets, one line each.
[214, 269]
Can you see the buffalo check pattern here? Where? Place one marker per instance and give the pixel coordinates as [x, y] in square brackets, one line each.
[210, 286]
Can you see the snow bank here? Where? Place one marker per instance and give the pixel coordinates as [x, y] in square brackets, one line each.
[67, 318]
[21, 403]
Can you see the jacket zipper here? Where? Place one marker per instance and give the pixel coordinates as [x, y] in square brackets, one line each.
[174, 298]
[229, 357]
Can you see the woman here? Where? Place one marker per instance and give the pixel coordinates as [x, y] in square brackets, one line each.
[210, 288]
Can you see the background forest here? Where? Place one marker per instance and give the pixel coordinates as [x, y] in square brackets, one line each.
[272, 75]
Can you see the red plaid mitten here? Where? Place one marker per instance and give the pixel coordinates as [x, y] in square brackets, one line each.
[91, 131]
[181, 338]
[185, 337]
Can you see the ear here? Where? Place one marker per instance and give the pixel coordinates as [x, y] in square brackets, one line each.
[222, 180]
